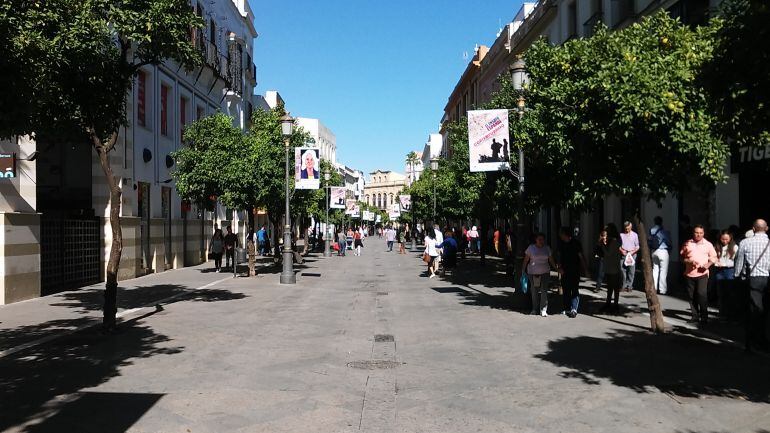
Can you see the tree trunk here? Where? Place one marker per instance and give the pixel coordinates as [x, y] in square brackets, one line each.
[653, 304]
[111, 285]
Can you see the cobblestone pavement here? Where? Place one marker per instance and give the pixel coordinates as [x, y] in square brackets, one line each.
[371, 344]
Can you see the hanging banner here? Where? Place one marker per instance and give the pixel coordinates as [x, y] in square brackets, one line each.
[394, 211]
[488, 140]
[7, 165]
[368, 215]
[337, 197]
[307, 166]
[356, 211]
[350, 205]
[406, 202]
[378, 218]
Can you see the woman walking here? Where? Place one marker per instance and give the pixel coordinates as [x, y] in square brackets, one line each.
[601, 244]
[402, 241]
[725, 274]
[216, 247]
[358, 242]
[538, 261]
[612, 269]
[431, 249]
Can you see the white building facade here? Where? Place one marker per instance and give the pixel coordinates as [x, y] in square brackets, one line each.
[60, 214]
[323, 136]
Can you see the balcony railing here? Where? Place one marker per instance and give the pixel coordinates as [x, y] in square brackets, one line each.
[211, 55]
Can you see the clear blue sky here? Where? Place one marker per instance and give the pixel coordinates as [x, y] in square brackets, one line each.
[377, 73]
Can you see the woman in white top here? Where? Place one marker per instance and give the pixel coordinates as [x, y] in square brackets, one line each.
[725, 274]
[431, 249]
[537, 265]
[473, 233]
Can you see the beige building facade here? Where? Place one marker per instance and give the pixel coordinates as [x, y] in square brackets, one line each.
[383, 188]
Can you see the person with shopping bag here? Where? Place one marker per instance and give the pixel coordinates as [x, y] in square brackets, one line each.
[629, 246]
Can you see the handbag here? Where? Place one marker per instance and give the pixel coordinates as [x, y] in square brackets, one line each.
[426, 257]
[524, 283]
[629, 260]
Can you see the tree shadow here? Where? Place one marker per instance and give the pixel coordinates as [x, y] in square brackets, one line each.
[41, 385]
[673, 364]
[493, 274]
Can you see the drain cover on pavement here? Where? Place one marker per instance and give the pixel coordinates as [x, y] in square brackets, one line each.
[382, 293]
[383, 338]
[374, 364]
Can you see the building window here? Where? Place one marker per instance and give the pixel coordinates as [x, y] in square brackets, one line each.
[198, 112]
[572, 20]
[141, 98]
[183, 102]
[213, 33]
[164, 110]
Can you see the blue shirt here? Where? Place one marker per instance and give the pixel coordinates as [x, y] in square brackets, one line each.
[261, 235]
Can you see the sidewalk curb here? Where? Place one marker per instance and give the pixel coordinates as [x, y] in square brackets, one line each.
[123, 315]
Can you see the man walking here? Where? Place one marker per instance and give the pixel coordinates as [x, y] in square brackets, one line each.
[231, 242]
[698, 256]
[342, 242]
[261, 238]
[660, 244]
[390, 237]
[629, 246]
[753, 261]
[570, 262]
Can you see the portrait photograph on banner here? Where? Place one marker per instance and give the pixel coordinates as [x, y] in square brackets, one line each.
[406, 202]
[350, 205]
[356, 211]
[488, 140]
[307, 168]
[337, 197]
[394, 211]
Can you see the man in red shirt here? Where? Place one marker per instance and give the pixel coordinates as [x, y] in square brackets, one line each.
[698, 256]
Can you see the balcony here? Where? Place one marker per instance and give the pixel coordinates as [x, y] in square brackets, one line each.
[211, 56]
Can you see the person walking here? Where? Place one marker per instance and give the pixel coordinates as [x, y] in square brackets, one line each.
[473, 237]
[448, 252]
[402, 241]
[216, 246]
[570, 263]
[612, 270]
[599, 249]
[231, 243]
[358, 242]
[659, 242]
[390, 238]
[261, 238]
[629, 246]
[537, 265]
[342, 242]
[698, 255]
[496, 241]
[431, 249]
[753, 262]
[725, 274]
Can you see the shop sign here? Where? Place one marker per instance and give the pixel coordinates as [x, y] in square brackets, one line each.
[7, 165]
[754, 156]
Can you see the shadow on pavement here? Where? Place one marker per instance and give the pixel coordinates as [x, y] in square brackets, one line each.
[673, 364]
[42, 385]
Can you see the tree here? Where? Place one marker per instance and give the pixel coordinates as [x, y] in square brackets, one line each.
[737, 75]
[620, 112]
[412, 160]
[84, 56]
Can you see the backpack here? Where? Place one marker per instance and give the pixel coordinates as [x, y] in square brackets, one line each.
[656, 239]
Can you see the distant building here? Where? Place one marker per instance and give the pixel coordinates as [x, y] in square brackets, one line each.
[323, 136]
[383, 188]
[434, 148]
[354, 181]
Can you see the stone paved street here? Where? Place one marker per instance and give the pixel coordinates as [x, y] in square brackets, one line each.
[371, 344]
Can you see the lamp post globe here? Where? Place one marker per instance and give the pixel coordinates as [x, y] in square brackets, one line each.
[519, 77]
[287, 273]
[327, 251]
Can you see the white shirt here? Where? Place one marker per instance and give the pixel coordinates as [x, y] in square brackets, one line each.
[430, 246]
[439, 236]
[390, 235]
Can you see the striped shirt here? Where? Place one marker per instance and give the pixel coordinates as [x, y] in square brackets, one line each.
[748, 256]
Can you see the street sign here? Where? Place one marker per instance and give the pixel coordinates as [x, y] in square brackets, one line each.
[7, 165]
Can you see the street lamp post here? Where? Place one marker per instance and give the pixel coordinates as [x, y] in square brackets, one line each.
[327, 252]
[287, 275]
[519, 79]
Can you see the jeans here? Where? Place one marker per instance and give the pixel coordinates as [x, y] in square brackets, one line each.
[390, 245]
[660, 260]
[217, 260]
[726, 291]
[262, 249]
[570, 284]
[599, 272]
[229, 255]
[613, 288]
[628, 274]
[699, 304]
[757, 317]
[539, 292]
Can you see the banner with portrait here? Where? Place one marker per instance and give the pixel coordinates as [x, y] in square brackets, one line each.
[337, 197]
[488, 139]
[356, 211]
[307, 168]
[406, 202]
[350, 205]
[394, 211]
[368, 215]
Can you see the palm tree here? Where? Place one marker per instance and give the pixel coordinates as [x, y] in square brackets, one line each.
[411, 159]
